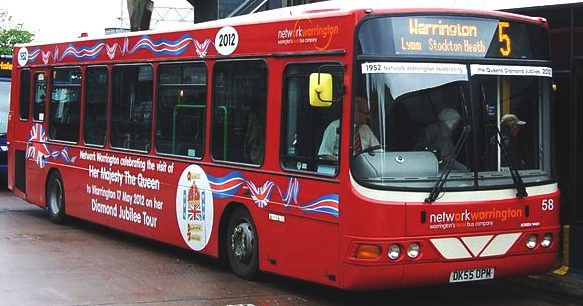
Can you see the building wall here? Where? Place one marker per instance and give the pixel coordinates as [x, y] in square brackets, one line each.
[566, 33]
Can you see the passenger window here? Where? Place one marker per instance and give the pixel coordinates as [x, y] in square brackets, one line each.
[181, 109]
[65, 109]
[97, 87]
[24, 94]
[311, 135]
[131, 107]
[239, 111]
[40, 96]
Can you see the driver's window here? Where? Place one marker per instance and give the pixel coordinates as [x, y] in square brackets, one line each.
[311, 135]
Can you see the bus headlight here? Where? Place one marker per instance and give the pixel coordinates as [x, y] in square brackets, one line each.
[413, 250]
[547, 240]
[394, 251]
[531, 241]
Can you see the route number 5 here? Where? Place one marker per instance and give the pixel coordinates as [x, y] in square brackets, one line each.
[547, 204]
[503, 38]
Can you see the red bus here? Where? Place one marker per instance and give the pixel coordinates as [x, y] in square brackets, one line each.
[362, 147]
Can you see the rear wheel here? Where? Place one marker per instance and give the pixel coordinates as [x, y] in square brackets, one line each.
[55, 195]
[242, 244]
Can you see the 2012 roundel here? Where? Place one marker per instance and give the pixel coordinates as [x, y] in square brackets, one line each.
[227, 40]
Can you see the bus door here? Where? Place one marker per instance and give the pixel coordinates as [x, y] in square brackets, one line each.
[36, 150]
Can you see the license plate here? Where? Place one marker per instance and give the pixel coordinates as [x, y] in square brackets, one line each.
[471, 275]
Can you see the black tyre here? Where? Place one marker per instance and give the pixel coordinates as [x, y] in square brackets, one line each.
[243, 245]
[55, 196]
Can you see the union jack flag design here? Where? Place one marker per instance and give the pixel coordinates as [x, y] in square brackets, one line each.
[46, 56]
[64, 155]
[261, 195]
[202, 48]
[37, 148]
[111, 50]
[194, 213]
[227, 186]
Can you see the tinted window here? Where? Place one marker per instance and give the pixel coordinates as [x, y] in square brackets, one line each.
[40, 96]
[311, 135]
[96, 88]
[65, 100]
[180, 111]
[239, 109]
[131, 107]
[24, 101]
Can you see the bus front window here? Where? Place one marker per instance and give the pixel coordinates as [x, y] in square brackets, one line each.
[434, 123]
[418, 112]
[511, 124]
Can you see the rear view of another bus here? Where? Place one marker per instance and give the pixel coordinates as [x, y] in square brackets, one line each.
[5, 72]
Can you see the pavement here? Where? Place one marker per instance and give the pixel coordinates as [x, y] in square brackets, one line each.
[561, 281]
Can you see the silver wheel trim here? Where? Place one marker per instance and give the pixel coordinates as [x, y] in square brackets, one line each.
[242, 241]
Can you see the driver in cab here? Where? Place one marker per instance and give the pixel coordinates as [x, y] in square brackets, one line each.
[363, 136]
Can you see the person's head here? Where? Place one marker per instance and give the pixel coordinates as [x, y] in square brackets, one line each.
[450, 117]
[362, 110]
[511, 124]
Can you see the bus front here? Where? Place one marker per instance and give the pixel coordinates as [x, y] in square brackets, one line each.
[460, 186]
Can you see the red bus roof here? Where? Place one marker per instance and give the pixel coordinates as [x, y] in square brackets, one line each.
[321, 26]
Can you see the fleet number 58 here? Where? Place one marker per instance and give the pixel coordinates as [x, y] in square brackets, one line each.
[547, 204]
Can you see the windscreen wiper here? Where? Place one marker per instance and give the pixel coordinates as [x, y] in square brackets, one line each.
[448, 166]
[516, 178]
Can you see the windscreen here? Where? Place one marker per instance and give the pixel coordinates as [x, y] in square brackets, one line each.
[4, 104]
[436, 111]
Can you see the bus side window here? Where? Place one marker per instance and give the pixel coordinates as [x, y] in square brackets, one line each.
[181, 109]
[304, 126]
[97, 87]
[24, 98]
[131, 107]
[239, 111]
[65, 108]
[40, 96]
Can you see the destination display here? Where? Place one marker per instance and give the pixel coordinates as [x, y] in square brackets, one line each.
[5, 65]
[5, 68]
[442, 36]
[452, 36]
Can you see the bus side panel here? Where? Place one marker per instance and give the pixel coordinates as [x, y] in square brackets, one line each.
[35, 184]
[129, 199]
[18, 176]
[300, 246]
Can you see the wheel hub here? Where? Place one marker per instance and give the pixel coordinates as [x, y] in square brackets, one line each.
[242, 241]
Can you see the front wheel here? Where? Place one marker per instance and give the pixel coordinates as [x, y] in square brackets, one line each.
[55, 196]
[242, 244]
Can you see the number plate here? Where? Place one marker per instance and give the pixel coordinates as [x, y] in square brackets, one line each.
[471, 275]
